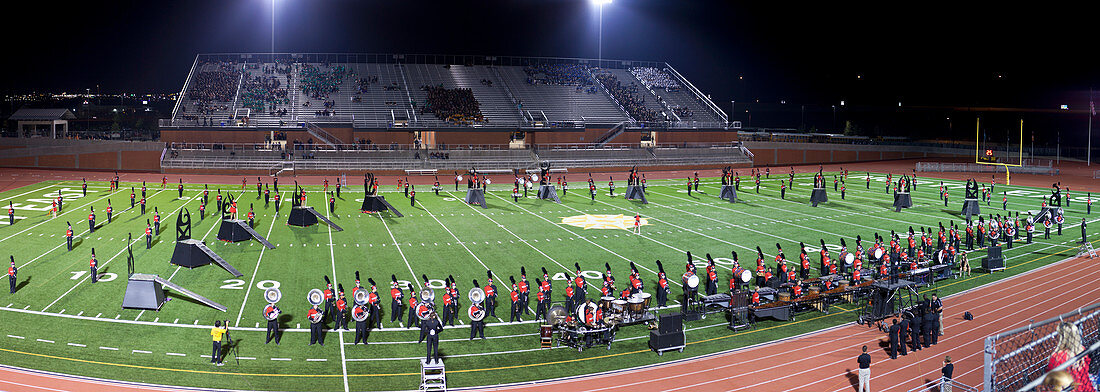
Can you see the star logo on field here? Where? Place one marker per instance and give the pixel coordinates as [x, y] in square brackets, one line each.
[602, 221]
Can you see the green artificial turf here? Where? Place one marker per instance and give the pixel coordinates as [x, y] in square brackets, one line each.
[59, 321]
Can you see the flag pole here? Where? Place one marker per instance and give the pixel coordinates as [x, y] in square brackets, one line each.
[1092, 112]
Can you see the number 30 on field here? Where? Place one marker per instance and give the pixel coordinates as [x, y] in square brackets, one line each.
[237, 284]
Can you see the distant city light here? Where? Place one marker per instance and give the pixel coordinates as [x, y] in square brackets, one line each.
[1064, 107]
[841, 103]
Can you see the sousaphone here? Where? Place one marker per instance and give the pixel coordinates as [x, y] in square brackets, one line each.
[424, 310]
[427, 295]
[557, 315]
[273, 295]
[315, 297]
[360, 312]
[360, 297]
[476, 312]
[476, 295]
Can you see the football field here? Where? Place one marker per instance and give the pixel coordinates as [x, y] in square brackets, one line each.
[59, 321]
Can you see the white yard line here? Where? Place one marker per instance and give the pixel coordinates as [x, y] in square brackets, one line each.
[31, 191]
[415, 279]
[332, 255]
[257, 268]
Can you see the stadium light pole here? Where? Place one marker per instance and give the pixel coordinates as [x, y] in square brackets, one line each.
[599, 40]
[273, 28]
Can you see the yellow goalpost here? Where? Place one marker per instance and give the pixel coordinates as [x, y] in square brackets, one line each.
[978, 153]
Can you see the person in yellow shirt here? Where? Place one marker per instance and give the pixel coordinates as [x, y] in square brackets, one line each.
[216, 333]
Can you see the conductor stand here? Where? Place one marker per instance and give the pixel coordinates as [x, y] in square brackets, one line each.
[433, 376]
[546, 188]
[819, 195]
[634, 188]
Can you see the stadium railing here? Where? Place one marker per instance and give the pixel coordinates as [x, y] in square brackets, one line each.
[1015, 359]
[938, 386]
[978, 168]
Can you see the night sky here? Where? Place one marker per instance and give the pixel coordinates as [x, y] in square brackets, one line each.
[803, 52]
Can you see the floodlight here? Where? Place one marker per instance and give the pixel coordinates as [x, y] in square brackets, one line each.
[601, 2]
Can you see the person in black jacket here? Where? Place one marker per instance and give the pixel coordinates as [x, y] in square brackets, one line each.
[914, 331]
[926, 329]
[903, 333]
[430, 329]
[894, 339]
[865, 370]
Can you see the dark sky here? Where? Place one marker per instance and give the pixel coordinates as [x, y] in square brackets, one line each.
[803, 52]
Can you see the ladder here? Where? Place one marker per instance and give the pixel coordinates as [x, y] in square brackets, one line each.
[432, 376]
[1087, 249]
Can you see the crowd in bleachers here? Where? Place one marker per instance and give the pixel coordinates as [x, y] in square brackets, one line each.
[318, 84]
[558, 74]
[629, 97]
[683, 111]
[655, 78]
[219, 85]
[457, 106]
[264, 93]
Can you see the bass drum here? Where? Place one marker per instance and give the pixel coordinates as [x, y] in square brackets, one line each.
[878, 253]
[691, 280]
[849, 259]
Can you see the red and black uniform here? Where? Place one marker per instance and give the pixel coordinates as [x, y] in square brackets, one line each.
[396, 295]
[69, 237]
[515, 316]
[341, 315]
[413, 319]
[316, 321]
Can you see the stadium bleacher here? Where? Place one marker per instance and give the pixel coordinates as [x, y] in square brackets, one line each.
[289, 90]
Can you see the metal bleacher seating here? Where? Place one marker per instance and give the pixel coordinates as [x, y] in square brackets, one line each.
[561, 103]
[679, 97]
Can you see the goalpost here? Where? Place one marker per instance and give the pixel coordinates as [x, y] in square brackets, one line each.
[990, 153]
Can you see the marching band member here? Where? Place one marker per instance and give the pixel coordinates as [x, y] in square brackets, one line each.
[453, 290]
[663, 288]
[217, 198]
[109, 210]
[267, 196]
[69, 236]
[13, 273]
[148, 235]
[270, 310]
[540, 307]
[330, 299]
[362, 323]
[696, 181]
[412, 320]
[315, 323]
[375, 304]
[580, 289]
[93, 265]
[689, 186]
[570, 295]
[712, 277]
[515, 315]
[611, 186]
[11, 214]
[156, 219]
[396, 295]
[341, 307]
[277, 199]
[430, 330]
[251, 216]
[524, 293]
[477, 327]
[331, 203]
[179, 188]
[91, 220]
[490, 295]
[547, 286]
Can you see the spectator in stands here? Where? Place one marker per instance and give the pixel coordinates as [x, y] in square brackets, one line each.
[456, 106]
[1069, 346]
[864, 371]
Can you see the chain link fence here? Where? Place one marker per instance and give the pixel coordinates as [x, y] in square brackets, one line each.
[1016, 358]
